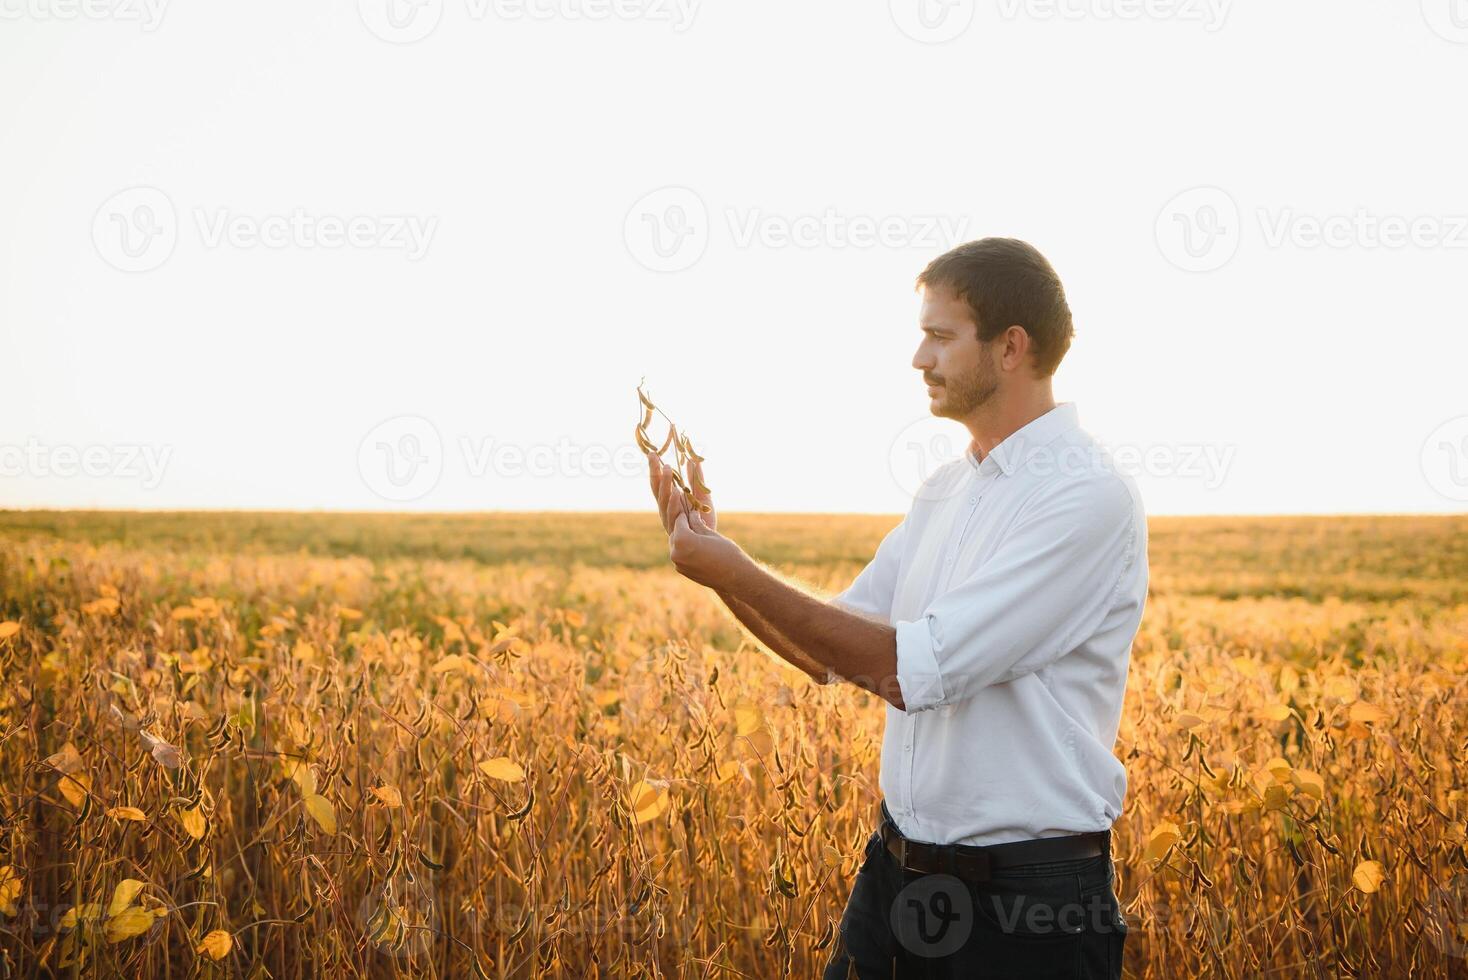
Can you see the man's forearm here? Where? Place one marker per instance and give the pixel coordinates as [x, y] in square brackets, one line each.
[860, 650]
[781, 644]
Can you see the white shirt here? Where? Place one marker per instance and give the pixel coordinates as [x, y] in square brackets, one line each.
[1016, 586]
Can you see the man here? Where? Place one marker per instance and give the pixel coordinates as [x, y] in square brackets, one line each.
[996, 620]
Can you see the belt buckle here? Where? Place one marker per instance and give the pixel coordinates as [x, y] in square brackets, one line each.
[934, 864]
[905, 855]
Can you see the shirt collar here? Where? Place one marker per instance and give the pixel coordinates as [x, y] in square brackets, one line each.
[1021, 442]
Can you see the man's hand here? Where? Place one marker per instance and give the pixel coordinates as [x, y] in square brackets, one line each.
[697, 550]
[827, 642]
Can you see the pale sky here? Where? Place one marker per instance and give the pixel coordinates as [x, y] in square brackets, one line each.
[336, 255]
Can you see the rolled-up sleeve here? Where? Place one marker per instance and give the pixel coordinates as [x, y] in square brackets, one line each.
[871, 592]
[1045, 589]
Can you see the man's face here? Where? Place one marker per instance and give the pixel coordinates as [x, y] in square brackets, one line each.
[956, 365]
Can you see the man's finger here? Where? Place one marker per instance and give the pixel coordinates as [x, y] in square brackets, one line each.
[660, 483]
[666, 494]
[681, 507]
[676, 500]
[695, 477]
[652, 475]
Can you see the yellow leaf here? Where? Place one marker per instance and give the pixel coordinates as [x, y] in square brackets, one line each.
[1163, 836]
[68, 760]
[389, 795]
[1340, 688]
[758, 743]
[105, 606]
[320, 809]
[10, 885]
[452, 662]
[166, 754]
[1289, 680]
[1310, 783]
[747, 719]
[122, 896]
[1187, 720]
[649, 800]
[1368, 876]
[193, 822]
[1275, 712]
[452, 631]
[344, 612]
[504, 704]
[8, 629]
[1245, 666]
[127, 924]
[1237, 807]
[603, 699]
[185, 612]
[127, 813]
[502, 768]
[1279, 769]
[1366, 713]
[89, 911]
[216, 945]
[75, 788]
[301, 773]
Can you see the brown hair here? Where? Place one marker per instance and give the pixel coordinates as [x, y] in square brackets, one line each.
[1007, 282]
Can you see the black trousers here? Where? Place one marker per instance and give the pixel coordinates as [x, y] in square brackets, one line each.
[1054, 921]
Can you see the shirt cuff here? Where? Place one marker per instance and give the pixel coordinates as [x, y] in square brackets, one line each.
[917, 666]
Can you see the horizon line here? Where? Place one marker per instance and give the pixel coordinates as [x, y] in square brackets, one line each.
[650, 512]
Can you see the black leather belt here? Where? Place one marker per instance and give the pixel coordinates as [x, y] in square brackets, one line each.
[973, 863]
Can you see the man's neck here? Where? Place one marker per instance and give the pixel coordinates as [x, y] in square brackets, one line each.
[992, 428]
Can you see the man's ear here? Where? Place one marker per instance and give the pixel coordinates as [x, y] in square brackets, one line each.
[1015, 347]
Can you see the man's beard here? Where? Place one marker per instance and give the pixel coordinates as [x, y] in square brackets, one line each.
[962, 396]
